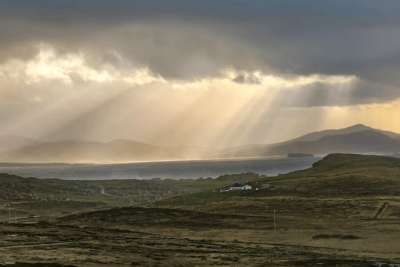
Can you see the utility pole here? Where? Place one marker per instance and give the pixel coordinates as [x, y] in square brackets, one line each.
[275, 220]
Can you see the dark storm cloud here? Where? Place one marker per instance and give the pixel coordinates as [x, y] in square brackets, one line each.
[185, 38]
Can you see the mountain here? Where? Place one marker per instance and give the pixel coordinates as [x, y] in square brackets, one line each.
[349, 130]
[355, 139]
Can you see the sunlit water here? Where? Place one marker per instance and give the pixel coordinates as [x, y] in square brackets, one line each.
[166, 169]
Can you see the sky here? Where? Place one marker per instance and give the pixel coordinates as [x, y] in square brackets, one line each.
[198, 73]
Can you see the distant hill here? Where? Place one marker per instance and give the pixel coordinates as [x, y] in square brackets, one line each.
[355, 139]
[83, 151]
[12, 142]
[344, 131]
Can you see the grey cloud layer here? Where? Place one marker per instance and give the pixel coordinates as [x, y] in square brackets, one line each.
[186, 39]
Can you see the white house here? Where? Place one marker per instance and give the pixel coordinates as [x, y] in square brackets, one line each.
[246, 187]
[237, 187]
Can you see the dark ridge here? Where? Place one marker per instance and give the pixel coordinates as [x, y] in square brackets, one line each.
[339, 160]
[21, 264]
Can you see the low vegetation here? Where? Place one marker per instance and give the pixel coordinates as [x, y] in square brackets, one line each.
[29, 197]
[344, 211]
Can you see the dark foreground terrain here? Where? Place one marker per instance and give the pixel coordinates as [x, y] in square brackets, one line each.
[345, 211]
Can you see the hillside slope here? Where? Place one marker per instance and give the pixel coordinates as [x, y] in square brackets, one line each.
[54, 197]
[337, 184]
[335, 176]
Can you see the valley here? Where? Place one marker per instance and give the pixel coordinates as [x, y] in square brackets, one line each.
[344, 211]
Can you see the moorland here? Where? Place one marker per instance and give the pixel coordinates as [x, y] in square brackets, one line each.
[343, 211]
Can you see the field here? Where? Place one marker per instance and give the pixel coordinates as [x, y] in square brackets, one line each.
[28, 198]
[344, 211]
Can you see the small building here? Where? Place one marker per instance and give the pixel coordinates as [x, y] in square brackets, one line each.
[246, 187]
[236, 187]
